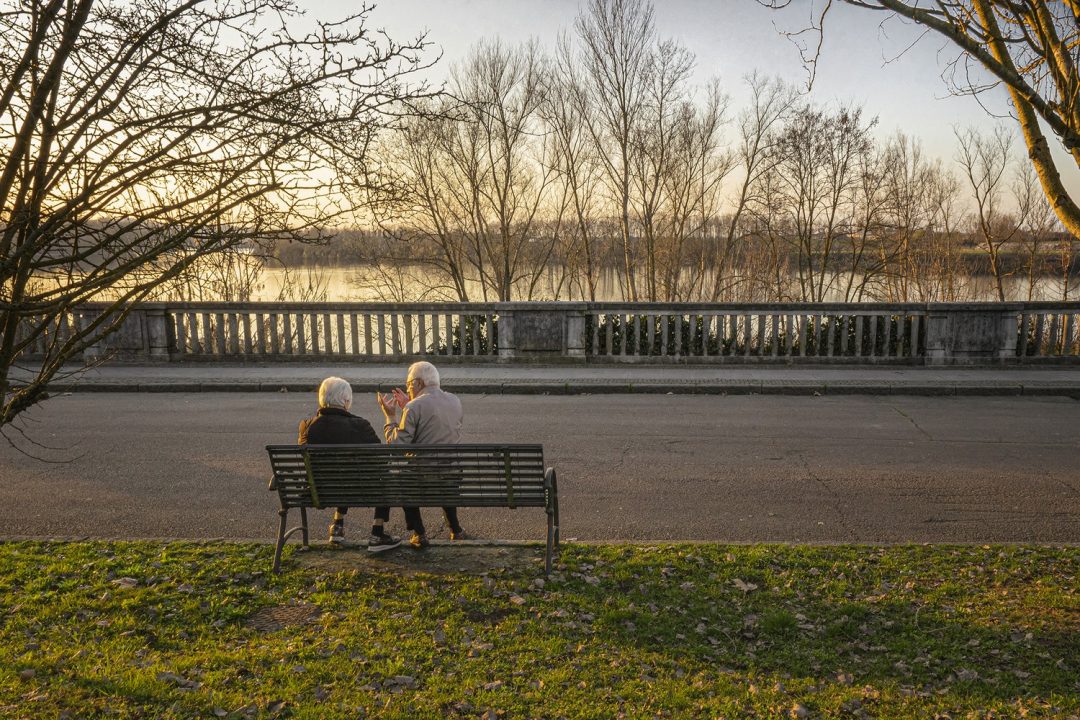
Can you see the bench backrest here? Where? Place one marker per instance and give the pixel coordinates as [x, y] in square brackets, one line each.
[489, 475]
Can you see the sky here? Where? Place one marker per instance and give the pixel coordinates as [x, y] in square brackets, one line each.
[868, 58]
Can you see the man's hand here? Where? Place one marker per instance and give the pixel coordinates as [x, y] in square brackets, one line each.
[400, 398]
[389, 406]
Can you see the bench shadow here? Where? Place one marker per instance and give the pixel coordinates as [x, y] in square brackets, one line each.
[440, 558]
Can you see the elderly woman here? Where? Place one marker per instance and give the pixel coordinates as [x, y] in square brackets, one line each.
[335, 425]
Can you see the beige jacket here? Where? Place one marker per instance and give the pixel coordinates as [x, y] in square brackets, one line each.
[432, 417]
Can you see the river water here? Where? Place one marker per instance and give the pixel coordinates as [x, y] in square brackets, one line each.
[359, 283]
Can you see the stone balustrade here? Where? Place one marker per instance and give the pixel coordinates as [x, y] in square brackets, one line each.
[935, 334]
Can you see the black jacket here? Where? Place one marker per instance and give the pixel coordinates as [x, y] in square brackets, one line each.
[334, 426]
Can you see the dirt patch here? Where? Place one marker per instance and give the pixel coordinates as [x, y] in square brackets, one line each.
[438, 559]
[272, 619]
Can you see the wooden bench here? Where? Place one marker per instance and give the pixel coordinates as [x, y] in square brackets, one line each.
[328, 476]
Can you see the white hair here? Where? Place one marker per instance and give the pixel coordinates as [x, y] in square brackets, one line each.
[335, 392]
[425, 372]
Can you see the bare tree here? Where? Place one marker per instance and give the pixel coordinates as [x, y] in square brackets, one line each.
[617, 39]
[696, 170]
[770, 101]
[817, 168]
[423, 212]
[140, 137]
[1038, 226]
[985, 160]
[575, 158]
[1029, 46]
[474, 173]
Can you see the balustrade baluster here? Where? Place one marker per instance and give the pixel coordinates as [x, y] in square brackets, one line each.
[436, 338]
[313, 329]
[407, 319]
[1022, 337]
[301, 333]
[492, 349]
[475, 321]
[595, 318]
[395, 333]
[803, 321]
[342, 346]
[219, 334]
[245, 325]
[260, 333]
[678, 335]
[664, 323]
[449, 334]
[1066, 334]
[275, 336]
[1052, 344]
[287, 330]
[609, 324]
[188, 339]
[354, 334]
[328, 332]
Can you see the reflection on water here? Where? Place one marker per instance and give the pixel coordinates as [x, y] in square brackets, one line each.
[252, 281]
[360, 283]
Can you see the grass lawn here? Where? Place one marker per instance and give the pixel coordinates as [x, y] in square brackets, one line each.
[181, 630]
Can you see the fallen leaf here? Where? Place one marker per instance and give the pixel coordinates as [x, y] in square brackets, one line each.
[746, 587]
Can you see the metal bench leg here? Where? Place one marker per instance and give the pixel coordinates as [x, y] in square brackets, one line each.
[303, 525]
[550, 543]
[283, 514]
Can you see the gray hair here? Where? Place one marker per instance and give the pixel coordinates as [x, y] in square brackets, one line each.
[335, 392]
[425, 372]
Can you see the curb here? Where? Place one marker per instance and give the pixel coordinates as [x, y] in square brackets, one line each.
[749, 387]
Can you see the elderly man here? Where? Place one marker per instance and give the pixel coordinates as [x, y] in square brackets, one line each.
[429, 415]
[335, 425]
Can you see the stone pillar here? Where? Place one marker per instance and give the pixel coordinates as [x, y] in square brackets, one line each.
[542, 331]
[971, 333]
[575, 333]
[506, 332]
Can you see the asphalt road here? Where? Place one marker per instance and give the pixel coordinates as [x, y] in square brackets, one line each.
[638, 468]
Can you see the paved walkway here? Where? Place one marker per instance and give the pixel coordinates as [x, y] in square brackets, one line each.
[572, 379]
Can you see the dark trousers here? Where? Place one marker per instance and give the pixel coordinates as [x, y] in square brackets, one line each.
[414, 522]
[381, 513]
